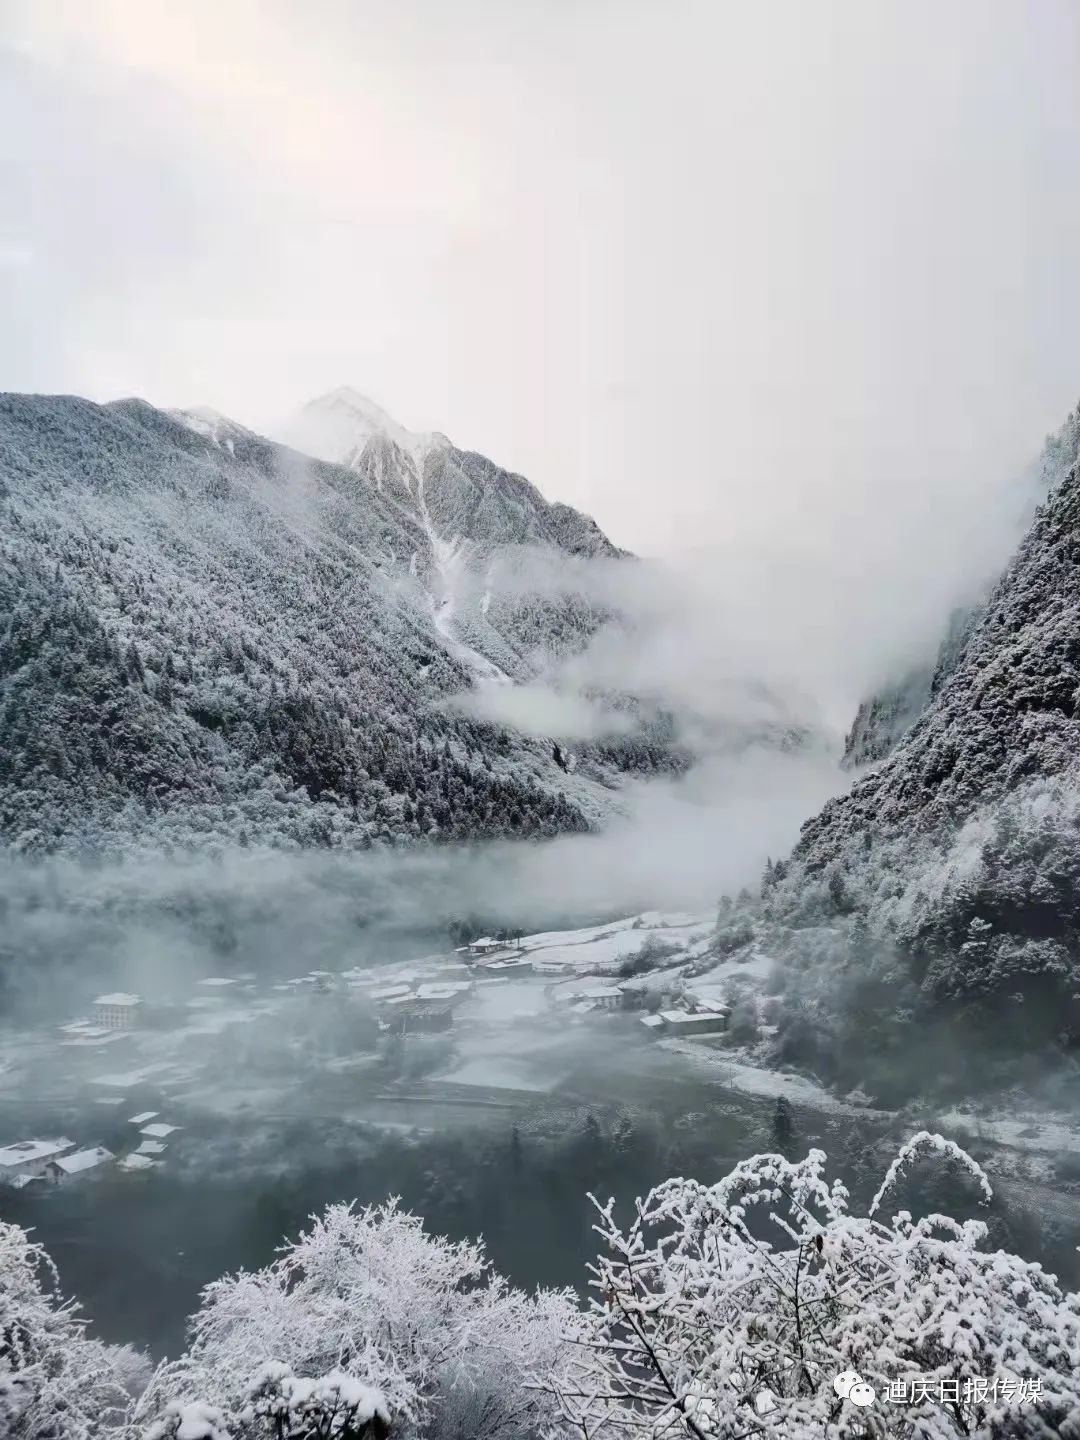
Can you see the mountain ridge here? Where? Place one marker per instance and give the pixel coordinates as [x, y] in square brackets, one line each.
[204, 634]
[943, 888]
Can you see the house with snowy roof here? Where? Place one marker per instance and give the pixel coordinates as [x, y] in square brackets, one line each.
[506, 965]
[80, 1162]
[487, 945]
[29, 1160]
[119, 1011]
[685, 1022]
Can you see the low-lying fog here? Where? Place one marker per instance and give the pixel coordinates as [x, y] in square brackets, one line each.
[241, 1101]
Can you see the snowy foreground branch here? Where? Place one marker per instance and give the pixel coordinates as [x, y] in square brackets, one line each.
[756, 1306]
[730, 1310]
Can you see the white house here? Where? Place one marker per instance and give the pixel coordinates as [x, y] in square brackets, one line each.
[486, 946]
[117, 1012]
[682, 1022]
[29, 1159]
[708, 999]
[595, 997]
[553, 967]
[81, 1162]
[507, 965]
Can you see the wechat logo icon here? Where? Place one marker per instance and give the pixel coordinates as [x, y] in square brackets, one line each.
[851, 1386]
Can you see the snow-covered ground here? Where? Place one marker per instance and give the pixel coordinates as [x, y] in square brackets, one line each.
[600, 947]
[1053, 1133]
[766, 1084]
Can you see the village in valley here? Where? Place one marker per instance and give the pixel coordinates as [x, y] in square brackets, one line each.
[501, 1014]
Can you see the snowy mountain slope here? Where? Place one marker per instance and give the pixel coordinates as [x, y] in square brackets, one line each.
[884, 717]
[337, 427]
[882, 721]
[512, 580]
[515, 583]
[962, 846]
[206, 635]
[487, 529]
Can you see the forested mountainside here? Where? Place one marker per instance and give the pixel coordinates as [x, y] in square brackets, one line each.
[882, 721]
[954, 866]
[206, 635]
[884, 717]
[506, 559]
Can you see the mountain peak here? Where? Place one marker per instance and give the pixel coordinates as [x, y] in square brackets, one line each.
[336, 427]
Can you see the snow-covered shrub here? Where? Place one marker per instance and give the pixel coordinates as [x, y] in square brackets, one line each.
[369, 1293]
[729, 1310]
[55, 1384]
[282, 1406]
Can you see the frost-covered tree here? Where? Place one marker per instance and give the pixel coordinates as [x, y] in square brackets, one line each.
[55, 1383]
[728, 1311]
[369, 1294]
[282, 1406]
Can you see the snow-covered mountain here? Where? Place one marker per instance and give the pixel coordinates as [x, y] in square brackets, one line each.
[884, 719]
[960, 849]
[338, 425]
[885, 716]
[500, 561]
[208, 635]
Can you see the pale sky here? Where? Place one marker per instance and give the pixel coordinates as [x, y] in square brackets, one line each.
[798, 281]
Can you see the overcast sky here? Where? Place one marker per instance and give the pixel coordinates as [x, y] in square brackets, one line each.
[715, 272]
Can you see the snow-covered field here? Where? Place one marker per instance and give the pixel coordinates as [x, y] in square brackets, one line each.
[1051, 1133]
[601, 947]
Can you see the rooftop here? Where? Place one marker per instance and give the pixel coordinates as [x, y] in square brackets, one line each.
[120, 998]
[83, 1160]
[136, 1162]
[26, 1151]
[684, 1017]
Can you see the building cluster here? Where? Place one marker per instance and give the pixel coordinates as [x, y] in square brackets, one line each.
[57, 1160]
[412, 1005]
[419, 997]
[685, 1013]
[48, 1161]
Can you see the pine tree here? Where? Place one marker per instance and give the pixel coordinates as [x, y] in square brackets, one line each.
[783, 1127]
